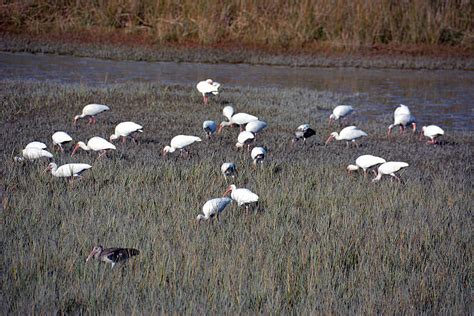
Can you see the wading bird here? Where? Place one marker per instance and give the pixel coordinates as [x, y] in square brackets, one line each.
[304, 132]
[208, 88]
[69, 170]
[258, 154]
[245, 138]
[112, 255]
[242, 196]
[340, 112]
[402, 117]
[255, 127]
[59, 139]
[209, 128]
[180, 142]
[235, 119]
[96, 144]
[389, 168]
[229, 169]
[213, 208]
[349, 134]
[432, 132]
[36, 144]
[90, 111]
[126, 129]
[365, 162]
[32, 153]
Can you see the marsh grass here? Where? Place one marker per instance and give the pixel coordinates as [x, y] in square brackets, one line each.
[321, 241]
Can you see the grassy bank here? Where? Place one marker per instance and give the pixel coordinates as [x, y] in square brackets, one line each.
[322, 241]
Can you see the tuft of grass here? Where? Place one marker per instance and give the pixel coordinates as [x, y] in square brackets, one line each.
[322, 241]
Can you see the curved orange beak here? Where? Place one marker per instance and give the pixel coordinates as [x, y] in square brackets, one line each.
[227, 192]
[74, 150]
[219, 129]
[330, 138]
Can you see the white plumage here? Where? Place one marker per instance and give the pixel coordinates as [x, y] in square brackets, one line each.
[389, 168]
[36, 144]
[365, 162]
[213, 208]
[208, 88]
[241, 196]
[350, 133]
[180, 142]
[68, 170]
[402, 117]
[235, 119]
[126, 129]
[60, 138]
[229, 169]
[32, 153]
[432, 132]
[258, 154]
[245, 138]
[228, 111]
[340, 111]
[96, 144]
[255, 126]
[91, 110]
[209, 128]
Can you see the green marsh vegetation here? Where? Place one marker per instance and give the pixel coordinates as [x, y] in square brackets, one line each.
[321, 240]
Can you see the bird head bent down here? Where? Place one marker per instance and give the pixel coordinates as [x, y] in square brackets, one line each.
[229, 189]
[50, 167]
[76, 147]
[167, 149]
[95, 252]
[331, 137]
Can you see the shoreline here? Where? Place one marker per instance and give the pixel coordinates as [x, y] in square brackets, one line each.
[121, 48]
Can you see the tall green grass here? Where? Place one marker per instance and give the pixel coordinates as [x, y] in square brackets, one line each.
[275, 23]
[322, 241]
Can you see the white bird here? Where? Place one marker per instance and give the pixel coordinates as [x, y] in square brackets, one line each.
[96, 144]
[241, 196]
[235, 119]
[389, 168]
[402, 117]
[258, 154]
[365, 162]
[255, 126]
[229, 169]
[350, 133]
[432, 132]
[340, 111]
[32, 153]
[180, 142]
[228, 111]
[69, 170]
[91, 110]
[60, 138]
[126, 129]
[303, 131]
[208, 88]
[209, 127]
[36, 144]
[213, 208]
[245, 138]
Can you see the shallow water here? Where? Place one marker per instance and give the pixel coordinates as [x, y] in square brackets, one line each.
[441, 97]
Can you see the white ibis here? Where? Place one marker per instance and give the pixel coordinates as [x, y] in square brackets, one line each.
[69, 170]
[209, 128]
[180, 142]
[245, 138]
[241, 195]
[228, 111]
[32, 153]
[402, 117]
[258, 154]
[96, 144]
[208, 88]
[213, 208]
[389, 168]
[365, 162]
[304, 132]
[91, 110]
[255, 127]
[349, 134]
[340, 112]
[36, 144]
[432, 132]
[60, 138]
[229, 169]
[126, 129]
[112, 255]
[235, 119]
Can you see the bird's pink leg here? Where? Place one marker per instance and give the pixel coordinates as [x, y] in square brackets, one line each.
[206, 99]
[90, 120]
[123, 139]
[94, 120]
[102, 153]
[365, 173]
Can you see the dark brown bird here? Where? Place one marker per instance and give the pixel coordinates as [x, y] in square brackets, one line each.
[112, 255]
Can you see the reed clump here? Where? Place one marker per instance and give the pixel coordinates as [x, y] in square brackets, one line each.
[322, 241]
[278, 24]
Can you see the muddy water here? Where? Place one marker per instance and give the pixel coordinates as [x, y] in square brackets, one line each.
[443, 97]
